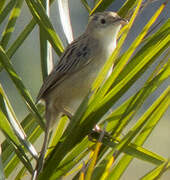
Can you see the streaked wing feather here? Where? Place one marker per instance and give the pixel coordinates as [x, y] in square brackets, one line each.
[72, 60]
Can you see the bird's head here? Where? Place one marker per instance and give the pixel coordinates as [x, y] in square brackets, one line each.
[105, 24]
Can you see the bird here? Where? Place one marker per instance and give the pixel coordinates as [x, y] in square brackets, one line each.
[71, 78]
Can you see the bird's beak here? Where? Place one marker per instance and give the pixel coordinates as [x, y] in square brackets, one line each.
[123, 21]
[120, 20]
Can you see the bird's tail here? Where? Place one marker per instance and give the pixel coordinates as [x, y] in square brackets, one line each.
[51, 115]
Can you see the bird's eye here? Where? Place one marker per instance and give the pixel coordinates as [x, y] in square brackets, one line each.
[103, 21]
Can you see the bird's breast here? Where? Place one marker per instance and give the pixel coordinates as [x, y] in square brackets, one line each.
[70, 93]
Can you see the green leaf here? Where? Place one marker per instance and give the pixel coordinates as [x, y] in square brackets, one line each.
[11, 24]
[19, 85]
[101, 6]
[33, 131]
[42, 19]
[20, 39]
[134, 150]
[120, 117]
[21, 174]
[107, 168]
[2, 176]
[5, 126]
[61, 125]
[8, 132]
[127, 8]
[156, 172]
[93, 161]
[140, 139]
[142, 121]
[100, 168]
[16, 125]
[22, 36]
[15, 131]
[74, 157]
[45, 47]
[86, 5]
[2, 3]
[71, 143]
[150, 51]
[4, 13]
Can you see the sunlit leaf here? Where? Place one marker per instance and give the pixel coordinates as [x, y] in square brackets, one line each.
[19, 84]
[11, 24]
[6, 10]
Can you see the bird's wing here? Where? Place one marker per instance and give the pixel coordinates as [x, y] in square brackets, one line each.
[73, 59]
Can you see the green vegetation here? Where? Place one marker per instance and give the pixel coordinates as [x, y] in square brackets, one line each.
[73, 152]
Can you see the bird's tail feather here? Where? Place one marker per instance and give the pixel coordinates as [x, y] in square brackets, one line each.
[50, 116]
